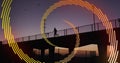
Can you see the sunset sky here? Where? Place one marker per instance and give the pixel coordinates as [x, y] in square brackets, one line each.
[79, 51]
[26, 15]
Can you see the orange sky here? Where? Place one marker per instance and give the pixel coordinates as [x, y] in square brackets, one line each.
[79, 51]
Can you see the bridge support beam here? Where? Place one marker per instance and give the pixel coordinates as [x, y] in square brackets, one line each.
[1, 52]
[102, 53]
[70, 50]
[51, 54]
[42, 55]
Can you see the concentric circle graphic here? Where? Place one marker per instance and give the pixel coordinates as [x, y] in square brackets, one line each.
[6, 8]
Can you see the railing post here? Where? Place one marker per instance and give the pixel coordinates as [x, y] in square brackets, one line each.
[22, 38]
[16, 39]
[77, 29]
[92, 27]
[47, 34]
[97, 26]
[35, 37]
[28, 37]
[64, 32]
[119, 21]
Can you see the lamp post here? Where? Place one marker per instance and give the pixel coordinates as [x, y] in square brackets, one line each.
[94, 27]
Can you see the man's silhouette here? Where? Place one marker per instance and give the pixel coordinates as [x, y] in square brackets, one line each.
[55, 32]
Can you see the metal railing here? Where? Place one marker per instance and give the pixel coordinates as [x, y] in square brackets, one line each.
[69, 31]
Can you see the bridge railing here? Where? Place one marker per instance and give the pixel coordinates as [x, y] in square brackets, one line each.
[69, 31]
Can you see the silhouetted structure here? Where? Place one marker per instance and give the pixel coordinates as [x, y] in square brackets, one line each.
[98, 37]
[119, 21]
[55, 32]
[1, 57]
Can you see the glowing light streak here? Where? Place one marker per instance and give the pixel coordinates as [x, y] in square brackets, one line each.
[9, 36]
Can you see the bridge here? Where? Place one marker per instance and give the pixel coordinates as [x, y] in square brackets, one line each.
[89, 34]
